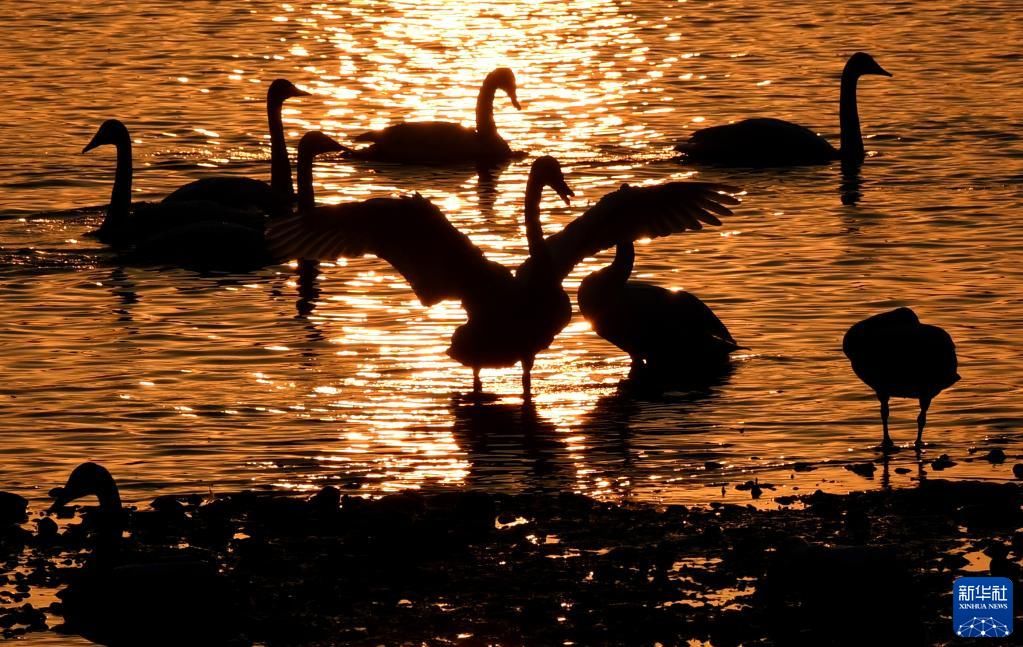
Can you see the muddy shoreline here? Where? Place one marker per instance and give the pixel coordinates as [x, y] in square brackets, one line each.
[472, 568]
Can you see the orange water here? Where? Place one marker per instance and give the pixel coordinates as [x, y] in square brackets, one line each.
[182, 382]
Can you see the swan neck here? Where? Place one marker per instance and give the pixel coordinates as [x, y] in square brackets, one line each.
[485, 108]
[120, 196]
[280, 166]
[625, 258]
[306, 197]
[849, 119]
[534, 231]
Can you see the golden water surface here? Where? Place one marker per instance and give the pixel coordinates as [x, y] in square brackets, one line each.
[177, 381]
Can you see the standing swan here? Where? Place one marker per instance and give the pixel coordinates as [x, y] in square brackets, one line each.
[897, 356]
[138, 598]
[246, 193]
[442, 142]
[511, 317]
[773, 142]
[669, 333]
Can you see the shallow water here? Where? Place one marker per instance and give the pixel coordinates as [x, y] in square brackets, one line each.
[183, 382]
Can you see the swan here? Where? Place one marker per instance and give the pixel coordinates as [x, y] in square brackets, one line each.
[122, 598]
[220, 245]
[441, 142]
[124, 226]
[897, 356]
[773, 142]
[512, 317]
[661, 330]
[274, 198]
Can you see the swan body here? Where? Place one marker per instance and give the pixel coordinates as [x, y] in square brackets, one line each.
[120, 599]
[669, 333]
[768, 142]
[511, 317]
[273, 199]
[439, 142]
[897, 356]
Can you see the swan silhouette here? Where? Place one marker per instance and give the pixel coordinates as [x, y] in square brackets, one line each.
[441, 142]
[663, 331]
[512, 317]
[275, 198]
[765, 142]
[897, 356]
[125, 224]
[132, 598]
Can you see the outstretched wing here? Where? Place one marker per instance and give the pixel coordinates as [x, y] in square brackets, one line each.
[631, 213]
[410, 233]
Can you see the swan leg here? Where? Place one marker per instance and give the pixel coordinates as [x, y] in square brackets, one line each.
[477, 383]
[527, 379]
[886, 442]
[921, 420]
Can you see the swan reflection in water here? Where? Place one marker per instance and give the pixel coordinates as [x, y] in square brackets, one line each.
[518, 447]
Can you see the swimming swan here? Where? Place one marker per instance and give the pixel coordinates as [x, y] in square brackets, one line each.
[441, 142]
[512, 317]
[767, 142]
[246, 193]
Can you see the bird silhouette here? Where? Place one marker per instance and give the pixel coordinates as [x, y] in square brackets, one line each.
[897, 356]
[150, 597]
[512, 317]
[275, 198]
[666, 332]
[765, 142]
[126, 224]
[441, 142]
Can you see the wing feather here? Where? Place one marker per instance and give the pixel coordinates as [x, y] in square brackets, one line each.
[631, 213]
[410, 233]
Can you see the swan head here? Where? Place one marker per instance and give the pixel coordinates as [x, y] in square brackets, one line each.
[88, 479]
[111, 132]
[546, 171]
[316, 143]
[862, 64]
[504, 79]
[282, 89]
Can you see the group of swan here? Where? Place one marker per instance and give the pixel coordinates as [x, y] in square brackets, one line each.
[242, 222]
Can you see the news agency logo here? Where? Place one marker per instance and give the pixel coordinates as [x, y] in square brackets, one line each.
[982, 607]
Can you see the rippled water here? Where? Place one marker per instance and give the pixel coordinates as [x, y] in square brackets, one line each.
[182, 382]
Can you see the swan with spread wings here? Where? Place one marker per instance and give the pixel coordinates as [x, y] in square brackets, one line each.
[512, 316]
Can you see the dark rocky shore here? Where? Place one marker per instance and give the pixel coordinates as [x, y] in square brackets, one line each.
[473, 569]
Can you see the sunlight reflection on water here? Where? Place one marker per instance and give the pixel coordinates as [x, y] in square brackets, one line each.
[176, 381]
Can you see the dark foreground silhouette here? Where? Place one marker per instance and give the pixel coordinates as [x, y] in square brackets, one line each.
[899, 357]
[515, 569]
[764, 142]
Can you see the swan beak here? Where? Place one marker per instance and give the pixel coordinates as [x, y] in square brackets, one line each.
[301, 93]
[91, 145]
[60, 499]
[565, 192]
[514, 100]
[882, 71]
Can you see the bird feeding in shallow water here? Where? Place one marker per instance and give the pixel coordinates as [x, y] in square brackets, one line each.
[512, 317]
[899, 357]
[671, 333]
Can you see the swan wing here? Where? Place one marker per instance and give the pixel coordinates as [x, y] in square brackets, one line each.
[410, 233]
[631, 213]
